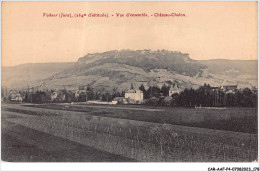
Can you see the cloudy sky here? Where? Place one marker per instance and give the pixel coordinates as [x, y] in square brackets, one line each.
[210, 30]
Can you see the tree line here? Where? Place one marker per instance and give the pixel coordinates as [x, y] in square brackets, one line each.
[67, 96]
[204, 96]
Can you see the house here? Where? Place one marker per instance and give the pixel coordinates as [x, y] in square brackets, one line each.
[229, 88]
[17, 97]
[58, 95]
[54, 95]
[220, 94]
[76, 93]
[174, 89]
[215, 88]
[82, 91]
[134, 96]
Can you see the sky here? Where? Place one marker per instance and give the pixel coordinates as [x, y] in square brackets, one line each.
[209, 30]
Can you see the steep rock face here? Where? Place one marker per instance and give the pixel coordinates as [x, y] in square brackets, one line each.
[146, 60]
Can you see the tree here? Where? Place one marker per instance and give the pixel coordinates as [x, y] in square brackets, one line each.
[106, 97]
[174, 100]
[90, 95]
[89, 88]
[246, 100]
[40, 97]
[115, 93]
[187, 98]
[132, 87]
[122, 94]
[97, 96]
[142, 88]
[165, 90]
[69, 97]
[82, 97]
[26, 97]
[153, 91]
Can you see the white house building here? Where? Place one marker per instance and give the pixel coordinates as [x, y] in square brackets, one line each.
[134, 96]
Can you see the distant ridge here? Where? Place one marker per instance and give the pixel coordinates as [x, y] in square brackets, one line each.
[29, 74]
[118, 69]
[47, 63]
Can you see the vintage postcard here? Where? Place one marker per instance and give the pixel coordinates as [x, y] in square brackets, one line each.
[130, 82]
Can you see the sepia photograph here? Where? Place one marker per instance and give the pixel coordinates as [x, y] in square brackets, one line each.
[130, 82]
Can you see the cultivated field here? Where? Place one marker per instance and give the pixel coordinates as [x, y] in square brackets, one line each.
[147, 133]
[230, 119]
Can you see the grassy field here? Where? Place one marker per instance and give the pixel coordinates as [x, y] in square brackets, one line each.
[112, 130]
[231, 119]
[22, 144]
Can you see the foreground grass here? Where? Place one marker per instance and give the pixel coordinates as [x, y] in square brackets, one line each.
[141, 140]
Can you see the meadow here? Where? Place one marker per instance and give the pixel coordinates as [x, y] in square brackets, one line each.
[230, 119]
[144, 135]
